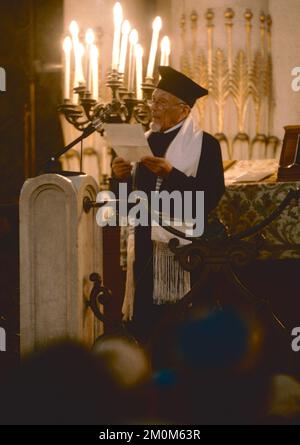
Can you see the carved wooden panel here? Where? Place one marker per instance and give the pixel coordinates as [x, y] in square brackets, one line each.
[289, 165]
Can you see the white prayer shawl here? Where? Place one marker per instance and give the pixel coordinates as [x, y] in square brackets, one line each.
[170, 281]
[184, 154]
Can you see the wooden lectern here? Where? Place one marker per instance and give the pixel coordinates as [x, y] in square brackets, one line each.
[289, 164]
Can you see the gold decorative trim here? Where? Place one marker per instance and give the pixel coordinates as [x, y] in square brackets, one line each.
[244, 76]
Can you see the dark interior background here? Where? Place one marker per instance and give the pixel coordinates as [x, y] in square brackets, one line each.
[30, 53]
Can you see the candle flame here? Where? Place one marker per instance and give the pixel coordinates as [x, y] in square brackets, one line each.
[74, 28]
[157, 24]
[134, 37]
[126, 27]
[118, 13]
[89, 36]
[67, 44]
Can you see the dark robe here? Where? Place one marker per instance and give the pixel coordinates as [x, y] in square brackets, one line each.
[209, 178]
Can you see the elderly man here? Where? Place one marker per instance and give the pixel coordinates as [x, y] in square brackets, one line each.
[184, 159]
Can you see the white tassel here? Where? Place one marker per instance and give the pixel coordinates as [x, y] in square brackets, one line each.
[170, 281]
[128, 302]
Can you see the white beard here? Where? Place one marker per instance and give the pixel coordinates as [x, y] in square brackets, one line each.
[155, 127]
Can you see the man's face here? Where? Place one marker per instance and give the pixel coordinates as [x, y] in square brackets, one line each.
[167, 110]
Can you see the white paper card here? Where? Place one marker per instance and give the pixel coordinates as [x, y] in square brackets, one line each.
[128, 141]
[253, 176]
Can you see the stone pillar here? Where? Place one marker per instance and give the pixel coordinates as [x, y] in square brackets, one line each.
[60, 246]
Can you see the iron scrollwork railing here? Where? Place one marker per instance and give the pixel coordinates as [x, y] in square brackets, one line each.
[100, 296]
[221, 254]
[215, 251]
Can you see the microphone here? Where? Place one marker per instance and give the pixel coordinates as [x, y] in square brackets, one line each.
[94, 126]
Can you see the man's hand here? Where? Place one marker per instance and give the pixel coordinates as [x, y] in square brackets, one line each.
[158, 166]
[121, 168]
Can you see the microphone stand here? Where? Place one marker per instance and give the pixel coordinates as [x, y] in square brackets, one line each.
[49, 166]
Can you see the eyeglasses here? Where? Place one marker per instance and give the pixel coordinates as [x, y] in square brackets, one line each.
[163, 105]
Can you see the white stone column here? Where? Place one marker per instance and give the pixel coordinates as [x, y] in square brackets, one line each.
[60, 246]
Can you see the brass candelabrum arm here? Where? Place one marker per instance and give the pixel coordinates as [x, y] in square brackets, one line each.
[123, 107]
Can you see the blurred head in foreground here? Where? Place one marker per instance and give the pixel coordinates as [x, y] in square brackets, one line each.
[63, 384]
[213, 373]
[125, 359]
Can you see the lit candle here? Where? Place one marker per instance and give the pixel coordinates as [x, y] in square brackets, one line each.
[156, 26]
[74, 30]
[67, 47]
[118, 18]
[95, 80]
[78, 53]
[133, 39]
[168, 51]
[165, 51]
[80, 50]
[89, 40]
[139, 70]
[124, 43]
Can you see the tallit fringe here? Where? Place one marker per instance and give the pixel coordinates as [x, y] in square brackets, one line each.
[128, 302]
[170, 281]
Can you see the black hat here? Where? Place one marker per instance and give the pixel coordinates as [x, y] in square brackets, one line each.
[179, 85]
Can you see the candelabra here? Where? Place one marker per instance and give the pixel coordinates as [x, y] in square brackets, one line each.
[123, 108]
[82, 109]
